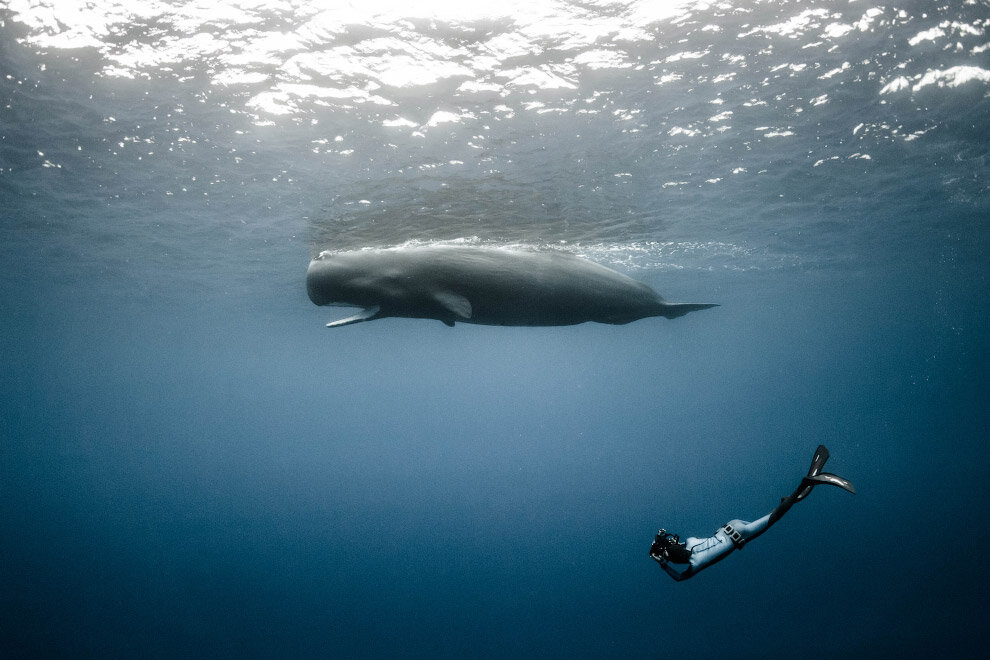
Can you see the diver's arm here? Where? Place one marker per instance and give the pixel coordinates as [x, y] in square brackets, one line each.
[661, 558]
[674, 573]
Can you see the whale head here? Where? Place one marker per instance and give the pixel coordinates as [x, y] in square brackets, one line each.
[339, 279]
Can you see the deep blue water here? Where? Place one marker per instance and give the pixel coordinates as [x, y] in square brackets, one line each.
[192, 465]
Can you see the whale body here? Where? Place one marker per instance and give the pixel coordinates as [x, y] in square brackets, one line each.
[487, 286]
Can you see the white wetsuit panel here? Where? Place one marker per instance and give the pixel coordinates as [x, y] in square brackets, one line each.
[708, 551]
[750, 530]
[705, 552]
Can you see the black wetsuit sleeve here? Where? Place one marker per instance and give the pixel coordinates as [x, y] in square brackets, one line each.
[674, 573]
[678, 554]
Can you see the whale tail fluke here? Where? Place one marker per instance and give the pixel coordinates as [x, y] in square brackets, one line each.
[673, 310]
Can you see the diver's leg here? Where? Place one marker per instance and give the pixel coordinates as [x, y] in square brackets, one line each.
[750, 530]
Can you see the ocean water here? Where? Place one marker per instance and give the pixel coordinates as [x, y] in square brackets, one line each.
[192, 465]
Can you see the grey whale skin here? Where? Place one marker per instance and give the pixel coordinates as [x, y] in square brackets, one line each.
[487, 286]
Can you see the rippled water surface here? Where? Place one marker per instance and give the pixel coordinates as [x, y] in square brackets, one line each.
[192, 465]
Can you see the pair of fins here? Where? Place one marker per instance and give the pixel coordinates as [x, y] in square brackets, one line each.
[449, 304]
[817, 478]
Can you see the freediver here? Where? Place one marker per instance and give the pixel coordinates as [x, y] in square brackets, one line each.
[699, 554]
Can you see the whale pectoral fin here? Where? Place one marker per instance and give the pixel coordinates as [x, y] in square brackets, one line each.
[454, 303]
[364, 315]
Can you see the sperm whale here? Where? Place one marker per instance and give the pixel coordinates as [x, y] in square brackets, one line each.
[482, 285]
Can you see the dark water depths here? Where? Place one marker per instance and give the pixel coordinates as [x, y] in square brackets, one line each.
[191, 465]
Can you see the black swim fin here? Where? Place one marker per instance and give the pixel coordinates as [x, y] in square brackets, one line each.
[818, 462]
[832, 480]
[816, 477]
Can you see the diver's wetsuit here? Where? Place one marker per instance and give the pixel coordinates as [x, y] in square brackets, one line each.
[700, 553]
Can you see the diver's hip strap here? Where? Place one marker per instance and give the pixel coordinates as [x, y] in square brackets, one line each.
[734, 536]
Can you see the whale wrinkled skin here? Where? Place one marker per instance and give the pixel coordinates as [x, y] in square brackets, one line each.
[487, 286]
